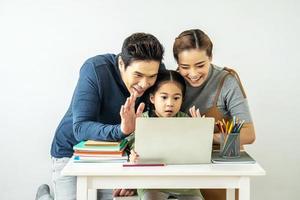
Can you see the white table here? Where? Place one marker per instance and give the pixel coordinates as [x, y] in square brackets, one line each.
[107, 176]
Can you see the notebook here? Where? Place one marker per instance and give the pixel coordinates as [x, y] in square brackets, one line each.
[244, 158]
[174, 140]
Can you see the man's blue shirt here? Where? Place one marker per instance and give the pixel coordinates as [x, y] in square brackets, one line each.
[95, 106]
[94, 112]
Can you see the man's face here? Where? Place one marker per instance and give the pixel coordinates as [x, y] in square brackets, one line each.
[139, 75]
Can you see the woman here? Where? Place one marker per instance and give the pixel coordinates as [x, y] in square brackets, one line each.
[216, 91]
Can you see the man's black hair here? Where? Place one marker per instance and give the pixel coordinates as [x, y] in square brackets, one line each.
[141, 46]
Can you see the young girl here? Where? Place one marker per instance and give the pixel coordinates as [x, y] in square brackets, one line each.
[166, 97]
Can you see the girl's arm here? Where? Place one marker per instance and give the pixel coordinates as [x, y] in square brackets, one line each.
[133, 157]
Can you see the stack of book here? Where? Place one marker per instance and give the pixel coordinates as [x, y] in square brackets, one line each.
[100, 151]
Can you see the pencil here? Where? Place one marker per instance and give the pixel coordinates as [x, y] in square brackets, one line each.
[230, 128]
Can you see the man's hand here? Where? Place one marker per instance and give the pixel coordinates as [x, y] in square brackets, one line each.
[123, 192]
[128, 115]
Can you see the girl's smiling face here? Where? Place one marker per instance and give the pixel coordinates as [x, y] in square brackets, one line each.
[167, 99]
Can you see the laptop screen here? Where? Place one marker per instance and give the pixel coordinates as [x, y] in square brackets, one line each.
[174, 140]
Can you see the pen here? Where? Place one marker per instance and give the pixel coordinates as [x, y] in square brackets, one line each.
[143, 165]
[234, 122]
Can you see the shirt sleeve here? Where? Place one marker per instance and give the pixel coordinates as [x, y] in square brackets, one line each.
[85, 107]
[131, 141]
[232, 102]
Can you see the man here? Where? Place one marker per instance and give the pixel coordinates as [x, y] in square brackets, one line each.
[106, 82]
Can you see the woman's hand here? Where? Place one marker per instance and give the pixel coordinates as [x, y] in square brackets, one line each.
[216, 138]
[195, 112]
[128, 115]
[134, 157]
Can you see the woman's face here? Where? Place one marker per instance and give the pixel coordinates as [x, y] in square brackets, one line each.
[193, 65]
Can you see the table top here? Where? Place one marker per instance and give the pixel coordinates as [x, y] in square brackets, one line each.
[116, 169]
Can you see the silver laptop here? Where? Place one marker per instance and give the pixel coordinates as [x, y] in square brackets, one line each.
[174, 140]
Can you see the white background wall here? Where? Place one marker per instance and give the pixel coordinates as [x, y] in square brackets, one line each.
[44, 43]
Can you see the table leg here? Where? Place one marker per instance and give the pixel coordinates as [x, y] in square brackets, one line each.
[244, 192]
[92, 194]
[82, 189]
[230, 194]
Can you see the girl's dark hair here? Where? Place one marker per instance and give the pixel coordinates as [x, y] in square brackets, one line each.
[141, 46]
[192, 39]
[164, 76]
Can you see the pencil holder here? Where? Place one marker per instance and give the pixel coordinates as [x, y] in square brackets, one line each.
[230, 145]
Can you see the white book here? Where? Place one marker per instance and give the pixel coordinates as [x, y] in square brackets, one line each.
[90, 159]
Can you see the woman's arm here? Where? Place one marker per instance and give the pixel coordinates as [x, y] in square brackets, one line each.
[236, 104]
[247, 134]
